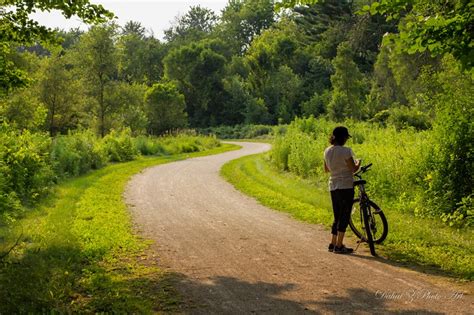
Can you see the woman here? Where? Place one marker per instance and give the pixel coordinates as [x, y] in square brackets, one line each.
[339, 161]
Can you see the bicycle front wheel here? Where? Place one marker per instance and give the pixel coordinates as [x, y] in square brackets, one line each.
[378, 222]
[368, 232]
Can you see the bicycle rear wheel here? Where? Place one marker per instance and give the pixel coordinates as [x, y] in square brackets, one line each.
[378, 223]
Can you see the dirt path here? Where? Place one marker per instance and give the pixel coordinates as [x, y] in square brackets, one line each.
[233, 255]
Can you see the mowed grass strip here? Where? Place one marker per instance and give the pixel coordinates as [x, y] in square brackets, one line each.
[420, 243]
[78, 253]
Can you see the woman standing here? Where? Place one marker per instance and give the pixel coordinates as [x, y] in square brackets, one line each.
[339, 161]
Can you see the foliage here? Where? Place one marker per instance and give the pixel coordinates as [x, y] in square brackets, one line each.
[77, 153]
[244, 20]
[166, 108]
[62, 95]
[16, 26]
[25, 169]
[24, 110]
[192, 26]
[399, 158]
[243, 131]
[451, 176]
[440, 28]
[96, 57]
[120, 146]
[188, 65]
[405, 117]
[348, 86]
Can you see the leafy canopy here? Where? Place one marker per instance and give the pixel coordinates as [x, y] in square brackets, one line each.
[16, 27]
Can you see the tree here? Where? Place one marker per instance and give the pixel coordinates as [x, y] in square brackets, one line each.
[194, 25]
[96, 58]
[129, 108]
[243, 20]
[348, 86]
[198, 69]
[439, 27]
[133, 28]
[61, 94]
[165, 107]
[17, 27]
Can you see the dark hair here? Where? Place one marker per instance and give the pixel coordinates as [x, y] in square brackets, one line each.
[339, 136]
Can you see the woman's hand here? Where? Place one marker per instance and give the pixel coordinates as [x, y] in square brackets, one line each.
[353, 166]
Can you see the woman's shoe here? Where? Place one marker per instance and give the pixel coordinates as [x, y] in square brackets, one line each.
[343, 250]
[331, 247]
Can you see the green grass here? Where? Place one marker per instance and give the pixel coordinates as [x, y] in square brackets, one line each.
[420, 243]
[77, 251]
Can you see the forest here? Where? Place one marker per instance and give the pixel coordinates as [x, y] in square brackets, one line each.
[399, 73]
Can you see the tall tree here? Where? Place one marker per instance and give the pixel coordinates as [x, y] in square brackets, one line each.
[97, 60]
[348, 86]
[194, 25]
[199, 69]
[61, 94]
[243, 20]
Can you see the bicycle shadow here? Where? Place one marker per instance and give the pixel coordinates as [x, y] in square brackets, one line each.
[424, 269]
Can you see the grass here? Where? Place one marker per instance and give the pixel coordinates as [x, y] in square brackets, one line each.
[421, 243]
[77, 251]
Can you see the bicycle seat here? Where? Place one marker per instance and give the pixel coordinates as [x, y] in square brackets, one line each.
[359, 182]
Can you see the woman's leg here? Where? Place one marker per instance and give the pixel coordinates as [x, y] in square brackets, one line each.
[336, 211]
[346, 197]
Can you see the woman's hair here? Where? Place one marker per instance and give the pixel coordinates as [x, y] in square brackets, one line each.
[339, 136]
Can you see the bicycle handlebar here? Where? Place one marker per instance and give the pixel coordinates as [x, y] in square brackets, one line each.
[363, 169]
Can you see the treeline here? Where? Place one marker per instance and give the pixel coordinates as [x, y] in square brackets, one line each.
[245, 65]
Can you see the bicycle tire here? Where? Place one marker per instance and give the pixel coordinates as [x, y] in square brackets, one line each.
[378, 212]
[368, 231]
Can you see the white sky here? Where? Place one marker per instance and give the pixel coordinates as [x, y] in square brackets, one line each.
[154, 15]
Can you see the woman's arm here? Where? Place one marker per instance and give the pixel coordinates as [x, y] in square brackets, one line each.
[353, 166]
[326, 169]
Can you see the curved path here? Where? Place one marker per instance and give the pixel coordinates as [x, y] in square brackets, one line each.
[232, 255]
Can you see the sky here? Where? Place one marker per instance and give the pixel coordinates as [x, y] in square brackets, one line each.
[155, 15]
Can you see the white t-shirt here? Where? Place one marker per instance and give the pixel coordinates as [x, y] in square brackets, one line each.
[335, 157]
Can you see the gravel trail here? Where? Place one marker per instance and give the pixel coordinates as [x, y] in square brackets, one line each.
[231, 255]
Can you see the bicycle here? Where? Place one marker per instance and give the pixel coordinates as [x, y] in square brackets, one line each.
[368, 222]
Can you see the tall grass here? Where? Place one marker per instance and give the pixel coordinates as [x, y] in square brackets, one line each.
[398, 175]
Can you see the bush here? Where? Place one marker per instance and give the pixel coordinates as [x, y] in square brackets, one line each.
[239, 131]
[404, 117]
[120, 146]
[25, 170]
[77, 153]
[451, 176]
[147, 145]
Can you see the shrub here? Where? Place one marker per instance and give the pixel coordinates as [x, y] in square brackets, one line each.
[77, 153]
[25, 169]
[242, 131]
[120, 146]
[147, 145]
[403, 117]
